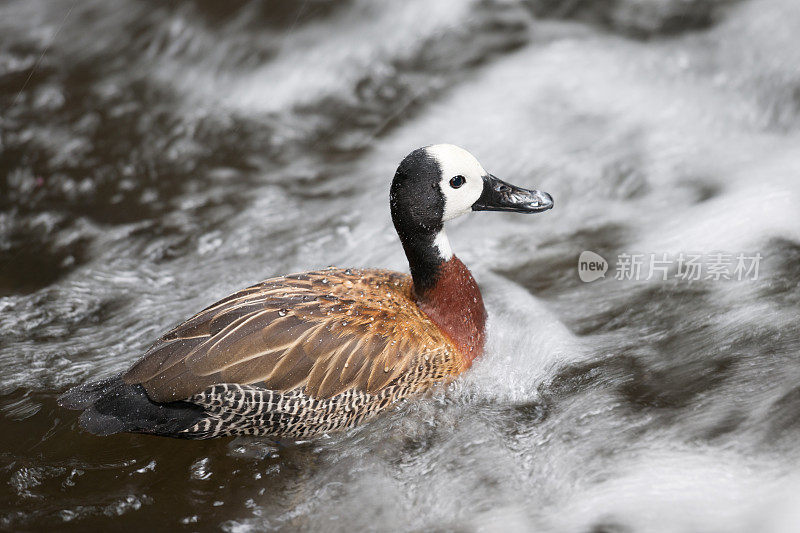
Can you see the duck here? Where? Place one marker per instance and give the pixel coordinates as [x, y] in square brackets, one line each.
[307, 354]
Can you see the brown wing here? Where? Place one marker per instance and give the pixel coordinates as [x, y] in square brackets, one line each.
[330, 330]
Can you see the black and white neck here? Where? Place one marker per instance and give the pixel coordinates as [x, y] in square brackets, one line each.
[431, 186]
[426, 253]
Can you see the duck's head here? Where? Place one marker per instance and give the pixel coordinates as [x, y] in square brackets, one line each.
[440, 182]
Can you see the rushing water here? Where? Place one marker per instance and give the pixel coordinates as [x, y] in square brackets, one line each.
[157, 157]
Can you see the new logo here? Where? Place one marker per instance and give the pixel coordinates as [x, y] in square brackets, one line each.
[591, 266]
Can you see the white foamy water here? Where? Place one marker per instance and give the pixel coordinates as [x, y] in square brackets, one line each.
[163, 157]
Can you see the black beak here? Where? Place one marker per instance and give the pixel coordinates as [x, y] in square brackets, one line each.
[498, 195]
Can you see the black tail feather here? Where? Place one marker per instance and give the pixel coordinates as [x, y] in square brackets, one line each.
[113, 406]
[83, 396]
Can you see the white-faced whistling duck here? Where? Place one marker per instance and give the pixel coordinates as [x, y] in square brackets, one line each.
[310, 353]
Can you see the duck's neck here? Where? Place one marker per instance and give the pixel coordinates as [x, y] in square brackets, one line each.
[446, 291]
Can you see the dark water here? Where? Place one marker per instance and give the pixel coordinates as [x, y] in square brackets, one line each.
[156, 157]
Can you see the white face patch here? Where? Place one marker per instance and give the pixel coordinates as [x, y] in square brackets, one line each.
[454, 161]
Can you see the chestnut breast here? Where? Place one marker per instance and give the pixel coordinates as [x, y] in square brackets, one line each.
[455, 305]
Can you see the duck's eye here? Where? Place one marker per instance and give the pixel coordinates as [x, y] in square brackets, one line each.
[457, 181]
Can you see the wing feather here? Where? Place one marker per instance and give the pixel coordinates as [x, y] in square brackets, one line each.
[292, 371]
[332, 382]
[313, 329]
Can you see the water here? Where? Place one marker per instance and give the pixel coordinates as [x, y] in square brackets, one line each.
[156, 158]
